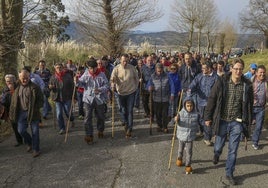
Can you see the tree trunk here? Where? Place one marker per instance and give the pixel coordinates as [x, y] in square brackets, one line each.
[190, 39]
[208, 42]
[266, 40]
[10, 35]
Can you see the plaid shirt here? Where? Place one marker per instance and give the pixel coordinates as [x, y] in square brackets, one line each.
[232, 107]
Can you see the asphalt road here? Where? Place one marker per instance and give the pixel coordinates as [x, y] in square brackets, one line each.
[139, 162]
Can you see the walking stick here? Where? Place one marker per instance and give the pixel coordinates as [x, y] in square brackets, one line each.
[140, 91]
[70, 113]
[151, 112]
[53, 113]
[246, 144]
[113, 113]
[174, 134]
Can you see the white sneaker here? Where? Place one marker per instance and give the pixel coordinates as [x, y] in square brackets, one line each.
[256, 147]
[61, 131]
[208, 143]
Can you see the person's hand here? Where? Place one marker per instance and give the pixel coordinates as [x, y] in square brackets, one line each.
[177, 117]
[208, 123]
[50, 86]
[96, 91]
[151, 88]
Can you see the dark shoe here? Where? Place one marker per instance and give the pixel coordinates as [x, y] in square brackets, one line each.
[159, 129]
[29, 149]
[215, 159]
[89, 139]
[128, 134]
[100, 134]
[231, 180]
[165, 130]
[36, 154]
[45, 117]
[18, 144]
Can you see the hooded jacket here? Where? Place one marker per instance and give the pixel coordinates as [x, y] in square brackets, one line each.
[188, 124]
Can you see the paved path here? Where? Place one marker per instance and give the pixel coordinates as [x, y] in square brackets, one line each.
[139, 162]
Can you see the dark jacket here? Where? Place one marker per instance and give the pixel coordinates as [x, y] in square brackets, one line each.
[35, 103]
[217, 97]
[62, 91]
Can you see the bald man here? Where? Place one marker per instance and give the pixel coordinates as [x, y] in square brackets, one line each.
[25, 109]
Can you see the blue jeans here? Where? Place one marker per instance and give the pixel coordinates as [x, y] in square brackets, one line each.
[80, 104]
[234, 130]
[116, 97]
[33, 140]
[127, 104]
[46, 107]
[258, 115]
[99, 113]
[60, 108]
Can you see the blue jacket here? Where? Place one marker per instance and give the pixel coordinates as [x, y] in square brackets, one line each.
[201, 86]
[176, 80]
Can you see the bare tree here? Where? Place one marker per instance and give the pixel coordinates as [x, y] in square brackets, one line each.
[206, 20]
[184, 17]
[10, 35]
[227, 36]
[255, 18]
[105, 22]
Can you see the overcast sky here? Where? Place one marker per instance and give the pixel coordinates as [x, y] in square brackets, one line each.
[228, 9]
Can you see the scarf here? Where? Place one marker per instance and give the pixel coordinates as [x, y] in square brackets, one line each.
[95, 74]
[60, 75]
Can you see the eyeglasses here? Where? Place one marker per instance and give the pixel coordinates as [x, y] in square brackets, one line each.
[238, 69]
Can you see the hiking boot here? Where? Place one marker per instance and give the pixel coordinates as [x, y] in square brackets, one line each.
[128, 134]
[88, 139]
[159, 129]
[179, 162]
[231, 180]
[208, 142]
[36, 154]
[188, 170]
[100, 134]
[215, 159]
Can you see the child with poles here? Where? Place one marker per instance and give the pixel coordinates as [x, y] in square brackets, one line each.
[187, 127]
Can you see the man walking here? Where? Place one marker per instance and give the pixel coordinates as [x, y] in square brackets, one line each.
[260, 99]
[25, 109]
[229, 107]
[125, 78]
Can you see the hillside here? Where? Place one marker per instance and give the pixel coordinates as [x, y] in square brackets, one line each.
[164, 38]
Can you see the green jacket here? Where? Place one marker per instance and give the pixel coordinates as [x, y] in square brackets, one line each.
[35, 103]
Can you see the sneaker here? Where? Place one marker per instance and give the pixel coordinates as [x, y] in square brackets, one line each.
[179, 162]
[29, 149]
[188, 170]
[72, 123]
[61, 131]
[81, 117]
[255, 146]
[215, 159]
[208, 142]
[231, 180]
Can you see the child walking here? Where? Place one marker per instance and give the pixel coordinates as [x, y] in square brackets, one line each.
[187, 127]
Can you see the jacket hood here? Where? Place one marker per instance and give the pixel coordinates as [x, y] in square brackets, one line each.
[188, 98]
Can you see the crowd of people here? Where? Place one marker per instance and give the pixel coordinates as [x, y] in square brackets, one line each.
[217, 99]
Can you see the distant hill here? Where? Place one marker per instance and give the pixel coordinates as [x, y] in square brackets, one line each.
[163, 38]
